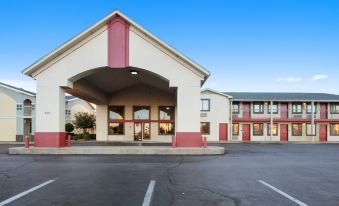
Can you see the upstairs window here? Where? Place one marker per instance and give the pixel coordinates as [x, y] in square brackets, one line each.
[258, 107]
[309, 108]
[334, 108]
[205, 105]
[235, 108]
[296, 108]
[274, 108]
[19, 107]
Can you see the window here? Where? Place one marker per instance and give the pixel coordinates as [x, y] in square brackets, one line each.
[205, 105]
[68, 112]
[19, 107]
[205, 127]
[309, 108]
[334, 129]
[274, 108]
[258, 129]
[258, 107]
[166, 128]
[166, 113]
[296, 108]
[235, 108]
[297, 129]
[33, 106]
[334, 108]
[274, 129]
[116, 128]
[235, 129]
[141, 112]
[116, 115]
[309, 130]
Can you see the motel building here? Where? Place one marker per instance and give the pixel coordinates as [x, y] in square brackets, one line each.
[144, 90]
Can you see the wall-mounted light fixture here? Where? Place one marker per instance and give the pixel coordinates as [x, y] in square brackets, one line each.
[133, 72]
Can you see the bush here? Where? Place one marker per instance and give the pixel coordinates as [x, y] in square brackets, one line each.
[87, 136]
[75, 137]
[80, 136]
[69, 127]
[93, 136]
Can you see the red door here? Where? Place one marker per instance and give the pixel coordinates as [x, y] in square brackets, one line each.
[323, 133]
[246, 110]
[246, 132]
[283, 132]
[222, 132]
[284, 110]
[323, 110]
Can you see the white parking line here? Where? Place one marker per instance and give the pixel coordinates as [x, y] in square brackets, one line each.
[5, 202]
[283, 193]
[149, 192]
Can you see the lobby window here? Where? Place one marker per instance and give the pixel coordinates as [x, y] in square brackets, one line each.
[258, 107]
[235, 129]
[334, 108]
[141, 112]
[296, 108]
[274, 108]
[309, 108]
[205, 127]
[309, 131]
[297, 129]
[274, 129]
[166, 113]
[205, 105]
[334, 130]
[235, 107]
[258, 129]
[116, 115]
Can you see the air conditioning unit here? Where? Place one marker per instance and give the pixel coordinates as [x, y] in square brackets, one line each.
[296, 116]
[203, 114]
[235, 138]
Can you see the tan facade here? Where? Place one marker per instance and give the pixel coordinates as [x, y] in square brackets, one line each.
[7, 118]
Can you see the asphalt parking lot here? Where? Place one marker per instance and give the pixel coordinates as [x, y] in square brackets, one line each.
[248, 174]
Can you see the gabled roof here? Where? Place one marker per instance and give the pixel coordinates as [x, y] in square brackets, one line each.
[20, 90]
[215, 92]
[278, 96]
[73, 41]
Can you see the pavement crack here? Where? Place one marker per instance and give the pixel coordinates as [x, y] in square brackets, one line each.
[233, 199]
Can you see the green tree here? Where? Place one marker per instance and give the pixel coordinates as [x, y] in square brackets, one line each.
[69, 127]
[84, 121]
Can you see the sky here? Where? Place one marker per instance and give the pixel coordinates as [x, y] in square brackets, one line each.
[247, 45]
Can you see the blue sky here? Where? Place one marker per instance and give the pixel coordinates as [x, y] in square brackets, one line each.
[273, 46]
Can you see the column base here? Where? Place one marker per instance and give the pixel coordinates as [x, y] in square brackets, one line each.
[189, 139]
[50, 139]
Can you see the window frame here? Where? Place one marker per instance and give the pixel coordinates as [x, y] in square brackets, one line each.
[310, 112]
[173, 107]
[123, 127]
[237, 133]
[332, 106]
[269, 108]
[269, 131]
[331, 132]
[149, 112]
[262, 129]
[238, 110]
[209, 128]
[201, 105]
[301, 107]
[260, 104]
[116, 121]
[292, 129]
[166, 123]
[315, 130]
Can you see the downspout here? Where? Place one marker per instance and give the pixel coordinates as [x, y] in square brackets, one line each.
[312, 121]
[271, 125]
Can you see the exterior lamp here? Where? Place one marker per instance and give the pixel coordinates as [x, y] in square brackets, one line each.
[133, 72]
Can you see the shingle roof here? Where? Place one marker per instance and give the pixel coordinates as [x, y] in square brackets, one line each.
[276, 96]
[17, 88]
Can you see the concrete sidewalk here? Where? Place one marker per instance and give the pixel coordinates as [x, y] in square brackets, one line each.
[119, 150]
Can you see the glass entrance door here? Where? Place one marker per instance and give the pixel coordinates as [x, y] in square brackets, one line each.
[142, 131]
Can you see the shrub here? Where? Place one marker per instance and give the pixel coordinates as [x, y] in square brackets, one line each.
[93, 136]
[69, 127]
[87, 136]
[75, 137]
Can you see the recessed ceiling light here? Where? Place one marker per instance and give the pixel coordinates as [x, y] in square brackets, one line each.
[133, 72]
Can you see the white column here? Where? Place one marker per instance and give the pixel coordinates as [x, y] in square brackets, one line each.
[188, 109]
[271, 116]
[50, 108]
[312, 121]
[231, 120]
[101, 123]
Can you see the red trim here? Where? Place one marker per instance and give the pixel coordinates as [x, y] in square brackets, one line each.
[188, 139]
[282, 120]
[223, 132]
[283, 132]
[140, 121]
[246, 132]
[118, 43]
[50, 139]
[323, 133]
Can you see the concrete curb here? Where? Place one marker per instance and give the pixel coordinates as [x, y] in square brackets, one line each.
[118, 150]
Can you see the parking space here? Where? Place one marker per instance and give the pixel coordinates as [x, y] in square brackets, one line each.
[248, 174]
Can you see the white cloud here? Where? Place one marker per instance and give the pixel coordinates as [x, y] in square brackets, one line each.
[289, 79]
[28, 85]
[319, 77]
